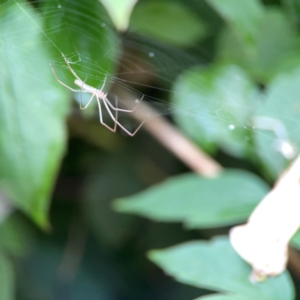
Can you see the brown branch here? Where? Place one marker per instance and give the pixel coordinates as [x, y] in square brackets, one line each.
[294, 261]
[172, 138]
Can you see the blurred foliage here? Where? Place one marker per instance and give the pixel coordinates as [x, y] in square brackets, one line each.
[202, 264]
[199, 202]
[229, 93]
[183, 33]
[226, 72]
[32, 135]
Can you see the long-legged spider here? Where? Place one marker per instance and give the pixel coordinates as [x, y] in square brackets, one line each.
[100, 95]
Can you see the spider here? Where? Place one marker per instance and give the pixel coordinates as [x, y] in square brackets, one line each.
[100, 95]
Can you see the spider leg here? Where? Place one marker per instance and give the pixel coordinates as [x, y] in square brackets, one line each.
[117, 122]
[62, 83]
[116, 114]
[103, 83]
[101, 119]
[84, 107]
[69, 66]
[120, 109]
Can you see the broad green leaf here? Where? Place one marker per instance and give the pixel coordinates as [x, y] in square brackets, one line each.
[168, 22]
[219, 102]
[84, 34]
[216, 266]
[282, 107]
[274, 47]
[199, 202]
[242, 16]
[32, 115]
[119, 11]
[6, 279]
[277, 40]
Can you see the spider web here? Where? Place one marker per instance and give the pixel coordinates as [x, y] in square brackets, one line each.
[143, 67]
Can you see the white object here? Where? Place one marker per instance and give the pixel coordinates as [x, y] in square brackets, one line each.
[263, 241]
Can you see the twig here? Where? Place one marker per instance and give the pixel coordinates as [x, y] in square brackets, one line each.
[294, 261]
[173, 139]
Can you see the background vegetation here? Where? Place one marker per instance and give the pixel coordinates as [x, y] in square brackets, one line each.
[71, 190]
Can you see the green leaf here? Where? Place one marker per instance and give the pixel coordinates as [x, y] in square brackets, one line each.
[32, 115]
[282, 107]
[273, 49]
[276, 40]
[119, 11]
[243, 16]
[216, 266]
[219, 102]
[168, 22]
[6, 279]
[84, 34]
[199, 202]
